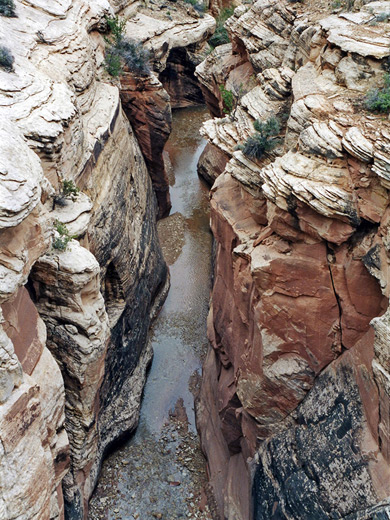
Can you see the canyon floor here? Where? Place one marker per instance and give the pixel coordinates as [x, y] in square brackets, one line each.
[160, 471]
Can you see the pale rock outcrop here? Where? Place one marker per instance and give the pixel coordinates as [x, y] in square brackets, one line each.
[34, 445]
[11, 373]
[67, 292]
[177, 46]
[21, 177]
[66, 121]
[301, 269]
[162, 36]
[75, 214]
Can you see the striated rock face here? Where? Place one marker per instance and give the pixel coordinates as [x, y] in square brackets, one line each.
[67, 291]
[295, 382]
[177, 46]
[147, 106]
[34, 444]
[211, 163]
[73, 350]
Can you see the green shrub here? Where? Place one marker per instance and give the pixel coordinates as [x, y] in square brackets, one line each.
[113, 62]
[123, 51]
[221, 35]
[61, 242]
[117, 29]
[7, 8]
[6, 59]
[68, 190]
[227, 99]
[378, 100]
[263, 140]
[135, 56]
[343, 5]
[231, 98]
[382, 17]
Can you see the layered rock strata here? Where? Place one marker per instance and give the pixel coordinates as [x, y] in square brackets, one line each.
[71, 383]
[296, 382]
[177, 41]
[147, 106]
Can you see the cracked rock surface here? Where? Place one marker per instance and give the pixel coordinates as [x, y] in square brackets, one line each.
[301, 267]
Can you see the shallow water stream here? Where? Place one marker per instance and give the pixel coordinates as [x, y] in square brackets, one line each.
[160, 471]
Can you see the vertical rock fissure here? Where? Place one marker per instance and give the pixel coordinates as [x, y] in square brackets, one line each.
[330, 253]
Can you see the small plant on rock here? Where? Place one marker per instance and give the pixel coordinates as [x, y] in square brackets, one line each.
[378, 100]
[6, 59]
[117, 29]
[7, 8]
[68, 190]
[227, 99]
[61, 242]
[221, 35]
[135, 56]
[124, 51]
[231, 98]
[263, 140]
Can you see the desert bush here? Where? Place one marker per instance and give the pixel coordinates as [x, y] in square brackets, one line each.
[6, 59]
[343, 5]
[227, 99]
[68, 190]
[61, 242]
[113, 62]
[263, 140]
[7, 8]
[122, 50]
[378, 99]
[231, 98]
[383, 17]
[116, 27]
[221, 35]
[135, 56]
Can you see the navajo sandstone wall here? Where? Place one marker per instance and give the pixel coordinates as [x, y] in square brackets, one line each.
[73, 324]
[294, 407]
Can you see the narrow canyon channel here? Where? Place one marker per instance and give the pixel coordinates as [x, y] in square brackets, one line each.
[160, 471]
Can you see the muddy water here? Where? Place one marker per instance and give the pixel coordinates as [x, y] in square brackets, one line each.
[159, 472]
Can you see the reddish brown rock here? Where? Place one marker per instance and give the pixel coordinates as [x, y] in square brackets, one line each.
[22, 325]
[211, 163]
[179, 80]
[147, 106]
[285, 305]
[35, 456]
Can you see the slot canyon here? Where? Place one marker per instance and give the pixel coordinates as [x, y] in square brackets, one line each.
[194, 260]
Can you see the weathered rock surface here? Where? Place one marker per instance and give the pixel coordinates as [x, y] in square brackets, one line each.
[34, 444]
[211, 163]
[177, 44]
[61, 119]
[295, 382]
[67, 292]
[147, 106]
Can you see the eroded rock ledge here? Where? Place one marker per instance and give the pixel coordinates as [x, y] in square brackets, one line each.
[295, 388]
